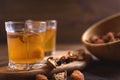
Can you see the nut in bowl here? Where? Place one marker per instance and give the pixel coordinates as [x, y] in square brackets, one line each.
[94, 38]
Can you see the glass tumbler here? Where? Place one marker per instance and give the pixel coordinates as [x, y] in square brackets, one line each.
[50, 37]
[25, 44]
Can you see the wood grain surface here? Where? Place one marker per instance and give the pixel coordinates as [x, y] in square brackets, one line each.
[98, 70]
[7, 74]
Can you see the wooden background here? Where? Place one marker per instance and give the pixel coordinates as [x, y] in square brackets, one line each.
[73, 16]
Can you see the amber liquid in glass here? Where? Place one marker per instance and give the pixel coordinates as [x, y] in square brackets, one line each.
[50, 39]
[26, 47]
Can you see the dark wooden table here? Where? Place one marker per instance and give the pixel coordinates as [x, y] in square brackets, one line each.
[98, 70]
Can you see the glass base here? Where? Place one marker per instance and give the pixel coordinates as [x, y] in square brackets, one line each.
[49, 53]
[17, 66]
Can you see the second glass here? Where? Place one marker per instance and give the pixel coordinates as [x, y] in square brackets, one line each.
[25, 44]
[50, 37]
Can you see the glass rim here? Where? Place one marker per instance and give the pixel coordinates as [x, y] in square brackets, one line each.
[29, 21]
[34, 21]
[51, 20]
[11, 22]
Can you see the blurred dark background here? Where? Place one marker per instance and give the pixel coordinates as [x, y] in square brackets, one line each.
[73, 16]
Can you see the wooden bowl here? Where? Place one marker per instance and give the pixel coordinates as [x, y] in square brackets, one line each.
[106, 51]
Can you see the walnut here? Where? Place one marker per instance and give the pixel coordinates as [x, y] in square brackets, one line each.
[77, 75]
[41, 77]
[60, 76]
[77, 54]
[51, 62]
